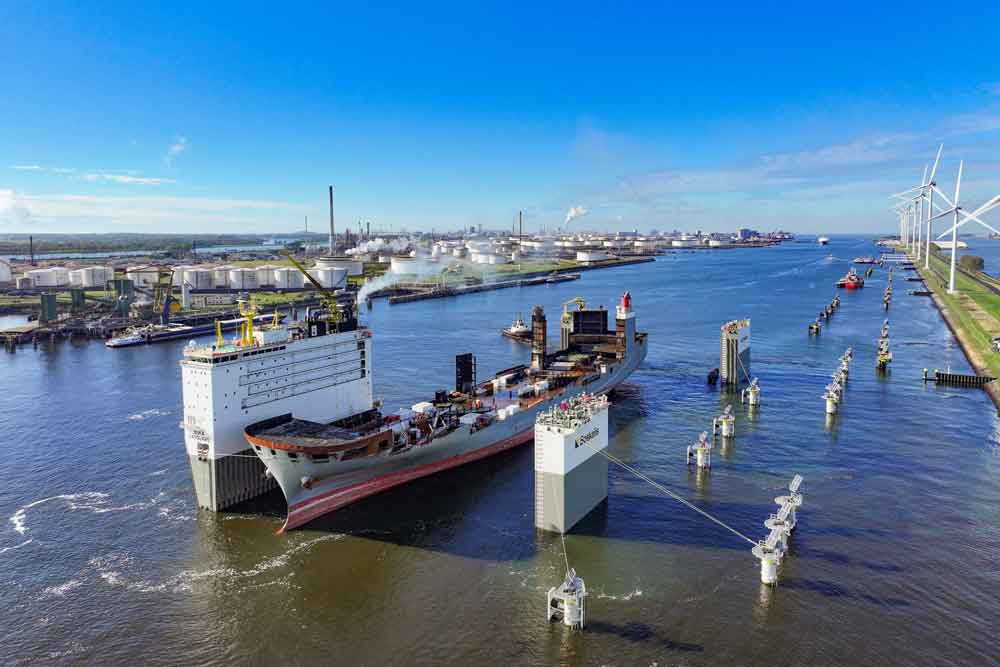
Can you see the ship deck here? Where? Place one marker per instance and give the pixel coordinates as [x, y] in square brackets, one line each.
[288, 433]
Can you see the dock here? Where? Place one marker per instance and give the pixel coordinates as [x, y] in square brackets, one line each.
[443, 292]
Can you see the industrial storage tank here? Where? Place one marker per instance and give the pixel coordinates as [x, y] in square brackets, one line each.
[402, 265]
[142, 276]
[331, 278]
[6, 275]
[102, 274]
[243, 278]
[177, 277]
[588, 256]
[88, 276]
[265, 274]
[54, 276]
[220, 275]
[24, 282]
[354, 267]
[199, 278]
[495, 259]
[287, 278]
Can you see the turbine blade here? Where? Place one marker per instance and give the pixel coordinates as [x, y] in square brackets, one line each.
[968, 218]
[936, 160]
[906, 192]
[958, 182]
[943, 196]
[943, 214]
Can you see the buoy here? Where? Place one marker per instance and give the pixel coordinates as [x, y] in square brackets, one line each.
[751, 395]
[567, 600]
[702, 452]
[726, 422]
[832, 399]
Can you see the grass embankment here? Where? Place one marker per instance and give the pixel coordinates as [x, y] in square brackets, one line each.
[974, 311]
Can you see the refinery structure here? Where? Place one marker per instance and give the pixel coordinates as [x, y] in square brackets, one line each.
[154, 298]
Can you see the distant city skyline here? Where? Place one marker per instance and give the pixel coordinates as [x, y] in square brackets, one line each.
[221, 119]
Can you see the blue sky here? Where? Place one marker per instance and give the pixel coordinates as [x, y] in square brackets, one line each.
[701, 116]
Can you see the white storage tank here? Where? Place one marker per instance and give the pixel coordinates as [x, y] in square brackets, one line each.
[220, 276]
[331, 278]
[199, 278]
[103, 274]
[24, 282]
[142, 276]
[495, 259]
[243, 278]
[76, 277]
[265, 274]
[402, 265]
[54, 276]
[354, 267]
[177, 277]
[88, 276]
[588, 256]
[6, 275]
[287, 278]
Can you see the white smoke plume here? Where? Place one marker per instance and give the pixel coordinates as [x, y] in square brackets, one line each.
[420, 266]
[576, 212]
[11, 210]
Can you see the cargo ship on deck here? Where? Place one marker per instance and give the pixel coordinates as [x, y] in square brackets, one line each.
[293, 405]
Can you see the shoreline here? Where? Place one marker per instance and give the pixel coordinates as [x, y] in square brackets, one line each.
[972, 355]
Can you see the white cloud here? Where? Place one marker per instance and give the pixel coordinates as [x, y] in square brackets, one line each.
[125, 179]
[145, 213]
[176, 149]
[27, 167]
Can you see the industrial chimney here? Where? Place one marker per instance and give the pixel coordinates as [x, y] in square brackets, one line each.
[331, 222]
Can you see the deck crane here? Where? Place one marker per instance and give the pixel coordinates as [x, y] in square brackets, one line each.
[567, 318]
[328, 298]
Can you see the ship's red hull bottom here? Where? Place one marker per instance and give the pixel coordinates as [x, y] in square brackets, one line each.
[305, 511]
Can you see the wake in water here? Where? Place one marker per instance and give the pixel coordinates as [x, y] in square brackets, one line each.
[90, 501]
[146, 414]
[112, 568]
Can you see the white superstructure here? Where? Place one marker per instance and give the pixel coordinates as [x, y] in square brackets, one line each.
[571, 475]
[318, 377]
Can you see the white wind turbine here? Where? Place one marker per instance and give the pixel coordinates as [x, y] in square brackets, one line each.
[926, 190]
[957, 210]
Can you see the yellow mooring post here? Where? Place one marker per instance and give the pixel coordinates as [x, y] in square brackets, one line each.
[218, 333]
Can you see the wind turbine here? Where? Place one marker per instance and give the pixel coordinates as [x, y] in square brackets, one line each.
[926, 190]
[957, 210]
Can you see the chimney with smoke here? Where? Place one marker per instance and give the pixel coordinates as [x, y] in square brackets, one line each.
[575, 212]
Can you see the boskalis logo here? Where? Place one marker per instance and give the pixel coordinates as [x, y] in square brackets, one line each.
[587, 437]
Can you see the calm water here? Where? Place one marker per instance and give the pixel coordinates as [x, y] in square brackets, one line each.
[104, 558]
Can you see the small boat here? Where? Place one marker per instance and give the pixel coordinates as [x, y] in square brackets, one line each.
[865, 260]
[823, 240]
[851, 281]
[518, 330]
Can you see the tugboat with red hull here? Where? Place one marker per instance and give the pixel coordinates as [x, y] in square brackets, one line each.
[851, 281]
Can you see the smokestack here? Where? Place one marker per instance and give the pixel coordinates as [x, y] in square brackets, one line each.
[331, 221]
[520, 227]
[31, 250]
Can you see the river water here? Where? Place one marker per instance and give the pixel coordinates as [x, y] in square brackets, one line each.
[105, 558]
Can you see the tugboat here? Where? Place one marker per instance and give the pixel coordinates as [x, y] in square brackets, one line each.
[518, 331]
[851, 281]
[822, 240]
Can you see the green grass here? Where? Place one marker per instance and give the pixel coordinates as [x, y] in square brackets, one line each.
[937, 280]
